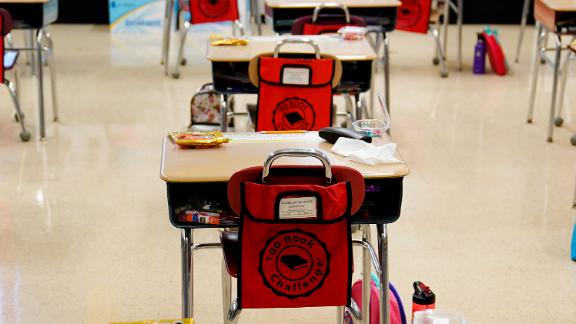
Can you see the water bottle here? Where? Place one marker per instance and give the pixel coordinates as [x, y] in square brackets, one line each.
[480, 56]
[423, 298]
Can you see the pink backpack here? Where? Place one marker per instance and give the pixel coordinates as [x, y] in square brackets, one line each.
[397, 315]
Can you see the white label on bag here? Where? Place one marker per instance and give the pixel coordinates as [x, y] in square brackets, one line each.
[295, 208]
[299, 76]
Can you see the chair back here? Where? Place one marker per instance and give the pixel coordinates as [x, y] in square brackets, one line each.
[318, 24]
[211, 11]
[294, 92]
[295, 236]
[414, 16]
[5, 29]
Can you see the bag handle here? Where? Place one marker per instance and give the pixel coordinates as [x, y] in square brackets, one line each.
[298, 153]
[331, 5]
[297, 41]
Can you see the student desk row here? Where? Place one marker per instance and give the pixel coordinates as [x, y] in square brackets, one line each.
[34, 15]
[230, 63]
[200, 177]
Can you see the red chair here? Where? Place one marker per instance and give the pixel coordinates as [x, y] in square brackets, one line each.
[294, 248]
[193, 12]
[421, 16]
[294, 92]
[9, 59]
[318, 24]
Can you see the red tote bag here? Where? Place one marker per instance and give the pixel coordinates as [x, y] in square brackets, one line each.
[294, 93]
[210, 11]
[495, 54]
[414, 16]
[296, 246]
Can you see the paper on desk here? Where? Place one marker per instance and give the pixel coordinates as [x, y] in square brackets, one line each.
[362, 152]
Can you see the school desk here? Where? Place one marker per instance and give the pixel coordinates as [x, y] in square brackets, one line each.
[230, 63]
[200, 176]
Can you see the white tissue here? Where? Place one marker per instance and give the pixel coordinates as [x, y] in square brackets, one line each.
[362, 152]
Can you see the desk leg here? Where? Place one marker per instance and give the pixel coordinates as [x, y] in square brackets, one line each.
[445, 20]
[30, 55]
[255, 10]
[386, 69]
[555, 88]
[535, 68]
[224, 102]
[366, 275]
[187, 274]
[40, 79]
[384, 280]
[558, 120]
[525, 9]
[167, 34]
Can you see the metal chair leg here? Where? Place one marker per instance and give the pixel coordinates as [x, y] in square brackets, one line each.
[535, 68]
[440, 53]
[557, 60]
[226, 291]
[525, 10]
[558, 120]
[24, 134]
[166, 34]
[233, 313]
[460, 20]
[183, 33]
[51, 65]
[437, 26]
[445, 20]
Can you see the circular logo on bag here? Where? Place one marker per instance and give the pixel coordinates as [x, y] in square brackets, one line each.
[294, 263]
[409, 14]
[294, 114]
[214, 8]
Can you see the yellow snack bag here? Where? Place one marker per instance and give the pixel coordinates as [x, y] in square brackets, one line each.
[198, 139]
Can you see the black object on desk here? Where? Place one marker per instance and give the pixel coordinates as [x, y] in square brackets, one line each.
[332, 134]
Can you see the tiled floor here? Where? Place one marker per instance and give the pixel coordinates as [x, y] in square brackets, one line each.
[84, 231]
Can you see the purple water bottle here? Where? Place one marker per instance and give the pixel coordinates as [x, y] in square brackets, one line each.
[480, 56]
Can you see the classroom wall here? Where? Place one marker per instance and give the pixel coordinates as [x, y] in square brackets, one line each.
[475, 11]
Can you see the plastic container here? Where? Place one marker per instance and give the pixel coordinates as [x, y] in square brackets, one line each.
[434, 316]
[370, 127]
[352, 32]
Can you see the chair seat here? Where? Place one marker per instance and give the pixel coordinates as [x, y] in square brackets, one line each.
[231, 249]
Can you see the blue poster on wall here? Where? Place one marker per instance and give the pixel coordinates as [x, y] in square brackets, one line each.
[136, 16]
